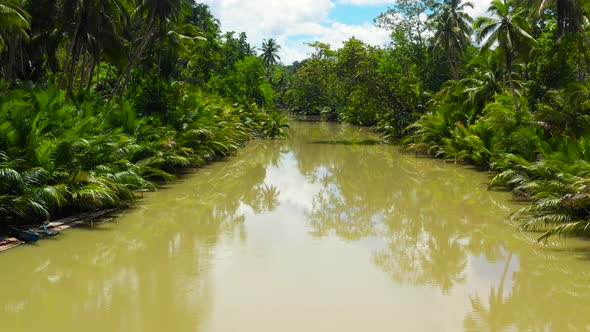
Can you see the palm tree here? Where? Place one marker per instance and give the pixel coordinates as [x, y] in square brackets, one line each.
[14, 24]
[269, 55]
[97, 24]
[13, 19]
[496, 316]
[154, 17]
[453, 30]
[570, 14]
[483, 83]
[201, 17]
[504, 27]
[249, 50]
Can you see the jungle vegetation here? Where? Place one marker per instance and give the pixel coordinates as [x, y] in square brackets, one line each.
[101, 99]
[508, 92]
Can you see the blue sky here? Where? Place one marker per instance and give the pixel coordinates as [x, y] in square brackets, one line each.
[296, 22]
[356, 14]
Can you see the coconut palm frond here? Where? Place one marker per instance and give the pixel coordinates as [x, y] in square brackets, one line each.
[567, 229]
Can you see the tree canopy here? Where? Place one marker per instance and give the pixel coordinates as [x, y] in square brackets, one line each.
[506, 92]
[100, 99]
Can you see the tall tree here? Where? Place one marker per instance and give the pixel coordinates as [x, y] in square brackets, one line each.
[47, 34]
[483, 83]
[14, 26]
[407, 17]
[504, 27]
[570, 14]
[154, 17]
[206, 54]
[452, 30]
[95, 24]
[250, 50]
[269, 55]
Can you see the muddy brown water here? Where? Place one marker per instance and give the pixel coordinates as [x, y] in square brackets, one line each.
[314, 233]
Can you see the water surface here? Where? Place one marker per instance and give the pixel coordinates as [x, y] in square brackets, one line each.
[323, 232]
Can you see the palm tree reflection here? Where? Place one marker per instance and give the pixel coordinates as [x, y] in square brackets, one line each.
[439, 228]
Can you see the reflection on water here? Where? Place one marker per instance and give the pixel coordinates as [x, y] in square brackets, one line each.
[316, 233]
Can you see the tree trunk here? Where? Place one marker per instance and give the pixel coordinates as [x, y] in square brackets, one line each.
[95, 62]
[98, 76]
[137, 56]
[130, 66]
[452, 59]
[11, 55]
[124, 77]
[160, 54]
[108, 76]
[83, 72]
[67, 64]
[453, 67]
[504, 274]
[510, 81]
[92, 67]
[22, 64]
[73, 69]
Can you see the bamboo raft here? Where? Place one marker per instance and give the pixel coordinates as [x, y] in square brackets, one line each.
[58, 226]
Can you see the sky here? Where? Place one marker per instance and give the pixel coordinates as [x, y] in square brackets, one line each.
[296, 22]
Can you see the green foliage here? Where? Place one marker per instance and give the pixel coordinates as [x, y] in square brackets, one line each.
[453, 29]
[100, 98]
[246, 84]
[520, 109]
[557, 184]
[312, 89]
[269, 52]
[358, 83]
[552, 67]
[14, 22]
[110, 96]
[517, 105]
[275, 125]
[57, 158]
[152, 96]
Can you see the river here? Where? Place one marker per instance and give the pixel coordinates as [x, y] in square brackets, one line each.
[319, 232]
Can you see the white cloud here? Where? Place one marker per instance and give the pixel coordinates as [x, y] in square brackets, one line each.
[289, 20]
[479, 8]
[366, 2]
[334, 34]
[291, 52]
[286, 19]
[269, 18]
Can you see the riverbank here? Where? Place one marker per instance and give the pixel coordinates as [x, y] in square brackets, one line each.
[350, 237]
[60, 158]
[60, 225]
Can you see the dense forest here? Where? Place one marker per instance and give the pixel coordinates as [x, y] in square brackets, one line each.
[101, 99]
[508, 92]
